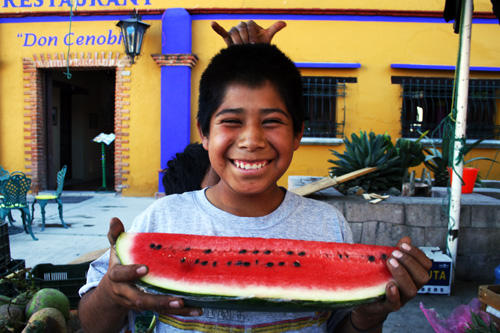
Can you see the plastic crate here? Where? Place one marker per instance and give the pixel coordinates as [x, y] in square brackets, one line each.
[4, 244]
[66, 278]
[7, 288]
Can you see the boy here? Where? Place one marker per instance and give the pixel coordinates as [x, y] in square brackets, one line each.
[250, 121]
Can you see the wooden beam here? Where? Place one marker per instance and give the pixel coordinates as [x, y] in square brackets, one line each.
[327, 182]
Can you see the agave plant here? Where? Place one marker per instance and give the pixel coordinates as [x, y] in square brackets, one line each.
[368, 150]
[411, 153]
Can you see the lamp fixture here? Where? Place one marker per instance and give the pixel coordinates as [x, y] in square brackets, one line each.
[133, 30]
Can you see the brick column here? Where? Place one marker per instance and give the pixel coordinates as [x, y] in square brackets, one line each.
[176, 63]
[34, 126]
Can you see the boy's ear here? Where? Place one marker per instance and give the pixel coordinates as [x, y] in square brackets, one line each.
[298, 137]
[204, 139]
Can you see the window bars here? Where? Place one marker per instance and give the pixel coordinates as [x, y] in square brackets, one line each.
[427, 101]
[324, 106]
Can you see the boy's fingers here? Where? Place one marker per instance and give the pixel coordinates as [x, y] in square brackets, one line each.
[127, 273]
[275, 27]
[393, 299]
[408, 285]
[165, 304]
[115, 229]
[253, 31]
[221, 32]
[417, 255]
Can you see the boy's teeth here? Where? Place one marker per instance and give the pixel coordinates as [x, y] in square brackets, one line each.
[248, 166]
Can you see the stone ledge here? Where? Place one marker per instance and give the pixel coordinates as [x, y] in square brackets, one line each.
[425, 220]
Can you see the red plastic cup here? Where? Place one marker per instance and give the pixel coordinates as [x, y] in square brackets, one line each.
[469, 177]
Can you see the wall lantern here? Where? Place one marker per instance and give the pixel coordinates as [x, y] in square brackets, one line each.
[133, 30]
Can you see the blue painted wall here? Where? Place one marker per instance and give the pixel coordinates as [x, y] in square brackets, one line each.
[175, 87]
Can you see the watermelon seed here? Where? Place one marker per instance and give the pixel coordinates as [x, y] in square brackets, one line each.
[207, 251]
[256, 262]
[302, 253]
[267, 252]
[255, 251]
[238, 263]
[204, 263]
[214, 263]
[229, 263]
[289, 253]
[371, 258]
[183, 259]
[187, 249]
[197, 261]
[340, 256]
[269, 264]
[281, 263]
[246, 264]
[158, 247]
[243, 251]
[152, 245]
[384, 256]
[296, 264]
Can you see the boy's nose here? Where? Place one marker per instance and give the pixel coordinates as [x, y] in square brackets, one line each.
[251, 138]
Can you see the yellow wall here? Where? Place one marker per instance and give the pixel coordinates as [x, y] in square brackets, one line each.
[372, 104]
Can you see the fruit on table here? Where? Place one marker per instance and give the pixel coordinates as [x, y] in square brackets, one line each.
[51, 319]
[48, 298]
[258, 273]
[11, 318]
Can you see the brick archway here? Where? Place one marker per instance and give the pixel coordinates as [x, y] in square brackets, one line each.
[34, 110]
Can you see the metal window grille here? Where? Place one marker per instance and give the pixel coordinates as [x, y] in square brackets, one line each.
[324, 105]
[427, 101]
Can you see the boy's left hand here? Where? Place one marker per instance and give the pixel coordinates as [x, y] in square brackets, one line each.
[410, 268]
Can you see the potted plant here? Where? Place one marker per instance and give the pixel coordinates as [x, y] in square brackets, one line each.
[438, 162]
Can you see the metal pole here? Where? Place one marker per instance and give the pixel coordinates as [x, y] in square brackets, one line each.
[103, 162]
[461, 96]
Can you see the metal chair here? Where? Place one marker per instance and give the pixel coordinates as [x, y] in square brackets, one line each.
[15, 189]
[43, 199]
[4, 175]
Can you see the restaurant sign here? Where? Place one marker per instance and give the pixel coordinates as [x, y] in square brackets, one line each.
[69, 3]
[29, 39]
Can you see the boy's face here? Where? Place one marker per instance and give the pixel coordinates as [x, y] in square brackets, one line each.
[251, 140]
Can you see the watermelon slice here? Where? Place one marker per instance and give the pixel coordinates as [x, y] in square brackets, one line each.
[257, 273]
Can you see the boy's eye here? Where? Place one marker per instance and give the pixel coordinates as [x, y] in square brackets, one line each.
[273, 121]
[231, 121]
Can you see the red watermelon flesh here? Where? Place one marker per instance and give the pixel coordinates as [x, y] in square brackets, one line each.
[260, 268]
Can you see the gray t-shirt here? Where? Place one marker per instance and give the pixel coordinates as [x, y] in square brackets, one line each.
[191, 213]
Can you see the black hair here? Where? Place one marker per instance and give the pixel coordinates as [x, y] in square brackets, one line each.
[251, 65]
[186, 170]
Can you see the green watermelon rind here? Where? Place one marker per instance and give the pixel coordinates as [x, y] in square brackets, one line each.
[254, 303]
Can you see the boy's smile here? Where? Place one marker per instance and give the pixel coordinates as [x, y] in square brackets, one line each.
[250, 145]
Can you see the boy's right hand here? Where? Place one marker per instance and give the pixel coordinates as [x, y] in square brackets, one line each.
[118, 284]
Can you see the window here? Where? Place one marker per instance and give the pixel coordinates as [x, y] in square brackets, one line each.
[324, 105]
[427, 101]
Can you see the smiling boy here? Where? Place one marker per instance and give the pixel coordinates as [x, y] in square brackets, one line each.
[251, 121]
